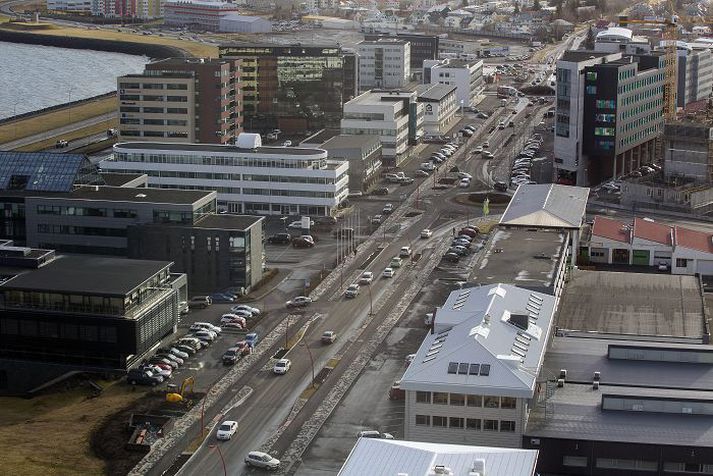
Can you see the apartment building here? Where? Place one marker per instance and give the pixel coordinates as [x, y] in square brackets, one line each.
[384, 64]
[440, 106]
[182, 100]
[141, 9]
[609, 112]
[465, 75]
[395, 117]
[197, 13]
[695, 74]
[474, 376]
[70, 6]
[295, 87]
[248, 178]
[423, 47]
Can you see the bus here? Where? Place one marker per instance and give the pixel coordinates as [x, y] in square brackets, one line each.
[506, 91]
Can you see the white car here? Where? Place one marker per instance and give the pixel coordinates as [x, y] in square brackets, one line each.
[405, 252]
[259, 459]
[298, 224]
[478, 150]
[428, 167]
[238, 313]
[226, 430]
[388, 273]
[352, 291]
[163, 372]
[205, 335]
[464, 183]
[462, 175]
[244, 307]
[282, 366]
[227, 318]
[299, 301]
[366, 277]
[207, 326]
[178, 353]
[426, 233]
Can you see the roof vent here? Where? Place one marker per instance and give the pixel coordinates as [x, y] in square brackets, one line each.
[442, 469]
[520, 321]
[597, 376]
[595, 385]
[563, 373]
[478, 468]
[140, 195]
[248, 140]
[560, 382]
[486, 319]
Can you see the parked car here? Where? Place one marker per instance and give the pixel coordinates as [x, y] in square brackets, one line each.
[297, 224]
[200, 301]
[252, 339]
[221, 298]
[406, 181]
[204, 336]
[259, 459]
[427, 166]
[377, 219]
[488, 155]
[170, 356]
[304, 241]
[299, 301]
[478, 150]
[352, 291]
[500, 186]
[282, 366]
[381, 191]
[185, 348]
[452, 257]
[163, 361]
[163, 372]
[426, 233]
[388, 208]
[280, 239]
[462, 175]
[421, 173]
[388, 272]
[366, 277]
[197, 326]
[374, 434]
[226, 430]
[237, 316]
[245, 308]
[231, 356]
[143, 377]
[328, 337]
[464, 183]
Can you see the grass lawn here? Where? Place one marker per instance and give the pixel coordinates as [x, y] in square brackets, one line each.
[78, 134]
[50, 434]
[54, 119]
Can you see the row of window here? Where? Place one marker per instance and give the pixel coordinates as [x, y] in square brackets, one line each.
[145, 97]
[641, 121]
[649, 106]
[636, 85]
[153, 122]
[460, 400]
[56, 330]
[173, 134]
[154, 110]
[637, 465]
[647, 134]
[635, 98]
[86, 211]
[153, 86]
[80, 230]
[475, 424]
[286, 163]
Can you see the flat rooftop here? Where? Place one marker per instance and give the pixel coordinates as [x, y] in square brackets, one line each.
[577, 56]
[225, 149]
[143, 195]
[86, 275]
[349, 142]
[642, 304]
[226, 221]
[119, 180]
[524, 257]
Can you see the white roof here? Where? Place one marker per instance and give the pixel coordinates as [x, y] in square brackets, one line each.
[547, 206]
[501, 326]
[615, 32]
[380, 457]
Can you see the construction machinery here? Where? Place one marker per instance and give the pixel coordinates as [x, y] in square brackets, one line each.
[180, 396]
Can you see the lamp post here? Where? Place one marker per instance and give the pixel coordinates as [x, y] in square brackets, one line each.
[287, 332]
[311, 360]
[222, 460]
[371, 303]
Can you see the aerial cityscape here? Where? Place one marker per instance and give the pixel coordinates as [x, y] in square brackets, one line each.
[356, 237]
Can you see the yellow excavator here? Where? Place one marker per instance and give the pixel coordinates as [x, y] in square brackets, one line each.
[180, 397]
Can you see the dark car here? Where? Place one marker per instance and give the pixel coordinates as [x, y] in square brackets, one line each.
[381, 191]
[458, 251]
[500, 186]
[280, 239]
[222, 298]
[143, 377]
[452, 257]
[305, 241]
[231, 355]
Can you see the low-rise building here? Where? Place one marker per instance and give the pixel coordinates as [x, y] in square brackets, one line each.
[394, 116]
[383, 64]
[382, 457]
[474, 377]
[364, 156]
[197, 13]
[248, 178]
[621, 40]
[465, 75]
[440, 106]
[236, 23]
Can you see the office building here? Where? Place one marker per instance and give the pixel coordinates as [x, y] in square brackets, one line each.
[364, 156]
[474, 376]
[695, 74]
[609, 112]
[217, 252]
[384, 64]
[201, 14]
[440, 106]
[422, 47]
[465, 75]
[395, 117]
[248, 178]
[182, 100]
[377, 457]
[62, 314]
[293, 88]
[70, 6]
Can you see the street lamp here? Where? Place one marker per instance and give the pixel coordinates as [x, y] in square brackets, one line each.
[371, 303]
[287, 332]
[311, 359]
[222, 460]
[284, 223]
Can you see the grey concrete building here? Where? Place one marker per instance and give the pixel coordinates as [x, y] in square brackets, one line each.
[695, 75]
[218, 252]
[364, 156]
[688, 151]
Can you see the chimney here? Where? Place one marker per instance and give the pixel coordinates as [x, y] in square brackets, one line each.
[478, 468]
[563, 374]
[595, 385]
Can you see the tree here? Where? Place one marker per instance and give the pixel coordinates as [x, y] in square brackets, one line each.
[536, 5]
[589, 40]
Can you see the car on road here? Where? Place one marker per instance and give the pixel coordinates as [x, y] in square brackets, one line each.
[279, 239]
[380, 191]
[421, 173]
[388, 273]
[486, 144]
[487, 154]
[328, 337]
[426, 233]
[244, 347]
[396, 262]
[377, 219]
[482, 115]
[299, 301]
[226, 430]
[231, 356]
[405, 252]
[366, 277]
[500, 186]
[388, 208]
[282, 366]
[478, 150]
[251, 339]
[61, 144]
[258, 459]
[462, 175]
[352, 291]
[303, 241]
[406, 181]
[143, 377]
[464, 183]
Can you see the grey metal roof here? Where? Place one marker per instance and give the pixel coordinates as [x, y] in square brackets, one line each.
[225, 149]
[547, 205]
[379, 457]
[45, 171]
[434, 92]
[137, 195]
[227, 221]
[363, 142]
[477, 326]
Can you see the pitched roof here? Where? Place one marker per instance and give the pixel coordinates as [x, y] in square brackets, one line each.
[610, 229]
[547, 206]
[380, 457]
[649, 230]
[693, 239]
[501, 326]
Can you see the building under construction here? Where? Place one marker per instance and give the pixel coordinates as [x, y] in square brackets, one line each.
[688, 148]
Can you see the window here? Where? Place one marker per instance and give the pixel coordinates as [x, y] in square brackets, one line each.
[688, 468]
[629, 464]
[457, 399]
[604, 131]
[591, 90]
[475, 400]
[576, 461]
[508, 402]
[491, 402]
[681, 262]
[605, 104]
[423, 420]
[456, 422]
[507, 425]
[440, 421]
[423, 397]
[490, 425]
[591, 76]
[440, 398]
[472, 424]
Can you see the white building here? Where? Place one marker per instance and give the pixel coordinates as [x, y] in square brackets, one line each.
[236, 23]
[440, 106]
[74, 6]
[249, 178]
[396, 117]
[381, 457]
[474, 376]
[465, 75]
[198, 13]
[621, 40]
[383, 64]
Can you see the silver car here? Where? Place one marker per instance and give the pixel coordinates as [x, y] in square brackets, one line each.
[259, 459]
